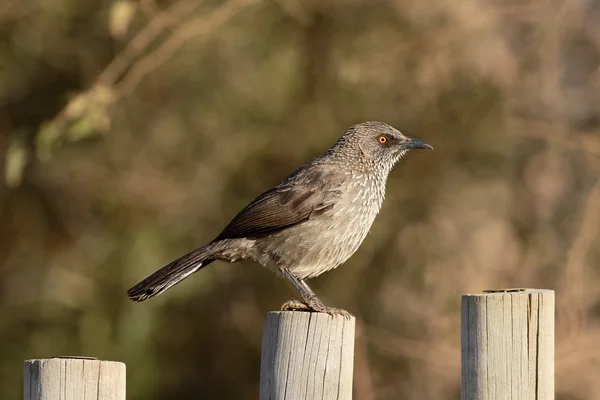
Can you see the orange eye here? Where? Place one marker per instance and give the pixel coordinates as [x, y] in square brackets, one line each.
[382, 139]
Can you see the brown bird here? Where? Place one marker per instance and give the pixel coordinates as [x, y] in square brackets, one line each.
[310, 223]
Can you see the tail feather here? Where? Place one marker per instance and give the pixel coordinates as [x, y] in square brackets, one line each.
[170, 275]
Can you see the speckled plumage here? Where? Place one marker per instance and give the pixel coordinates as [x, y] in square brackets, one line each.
[310, 223]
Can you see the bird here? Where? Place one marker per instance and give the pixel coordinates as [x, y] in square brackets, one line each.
[310, 223]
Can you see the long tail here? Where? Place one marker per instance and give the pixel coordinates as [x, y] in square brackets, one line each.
[171, 274]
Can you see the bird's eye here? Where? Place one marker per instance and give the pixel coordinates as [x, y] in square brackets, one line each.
[382, 139]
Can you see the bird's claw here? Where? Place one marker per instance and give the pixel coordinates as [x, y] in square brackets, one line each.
[295, 305]
[336, 311]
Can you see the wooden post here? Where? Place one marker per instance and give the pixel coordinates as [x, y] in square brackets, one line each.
[307, 355]
[507, 345]
[74, 378]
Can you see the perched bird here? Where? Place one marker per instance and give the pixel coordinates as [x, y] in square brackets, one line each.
[310, 223]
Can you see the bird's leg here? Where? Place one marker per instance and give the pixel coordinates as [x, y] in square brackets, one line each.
[311, 301]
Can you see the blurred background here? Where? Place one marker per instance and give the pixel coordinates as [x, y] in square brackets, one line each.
[132, 131]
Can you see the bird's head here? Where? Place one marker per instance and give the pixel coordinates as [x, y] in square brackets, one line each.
[378, 143]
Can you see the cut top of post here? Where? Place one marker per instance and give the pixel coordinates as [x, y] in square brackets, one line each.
[307, 355]
[510, 290]
[507, 344]
[74, 378]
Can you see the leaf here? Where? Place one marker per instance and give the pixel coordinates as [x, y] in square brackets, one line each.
[47, 140]
[87, 113]
[121, 14]
[81, 129]
[77, 106]
[16, 160]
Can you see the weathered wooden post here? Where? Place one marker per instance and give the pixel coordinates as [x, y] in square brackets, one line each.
[507, 345]
[307, 356]
[77, 378]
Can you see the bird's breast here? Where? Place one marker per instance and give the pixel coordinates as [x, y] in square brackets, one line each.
[324, 242]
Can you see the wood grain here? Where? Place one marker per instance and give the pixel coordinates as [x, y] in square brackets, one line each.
[307, 356]
[507, 345]
[74, 379]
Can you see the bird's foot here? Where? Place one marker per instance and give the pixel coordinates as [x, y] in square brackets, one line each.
[314, 306]
[295, 305]
[335, 311]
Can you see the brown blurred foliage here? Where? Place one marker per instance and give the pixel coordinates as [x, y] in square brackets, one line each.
[132, 131]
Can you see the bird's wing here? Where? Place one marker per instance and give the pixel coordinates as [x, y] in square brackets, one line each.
[294, 201]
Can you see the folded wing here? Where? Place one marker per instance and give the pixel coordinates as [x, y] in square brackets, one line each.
[282, 207]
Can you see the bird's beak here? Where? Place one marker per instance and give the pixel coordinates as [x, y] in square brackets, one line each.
[411, 143]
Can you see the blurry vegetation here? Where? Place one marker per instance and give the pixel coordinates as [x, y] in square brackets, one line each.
[132, 131]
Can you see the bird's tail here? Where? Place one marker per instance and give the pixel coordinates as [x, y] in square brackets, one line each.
[171, 274]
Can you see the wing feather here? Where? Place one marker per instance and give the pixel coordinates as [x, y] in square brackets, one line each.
[285, 205]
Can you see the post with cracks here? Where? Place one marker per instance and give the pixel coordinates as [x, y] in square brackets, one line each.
[307, 355]
[507, 345]
[76, 378]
